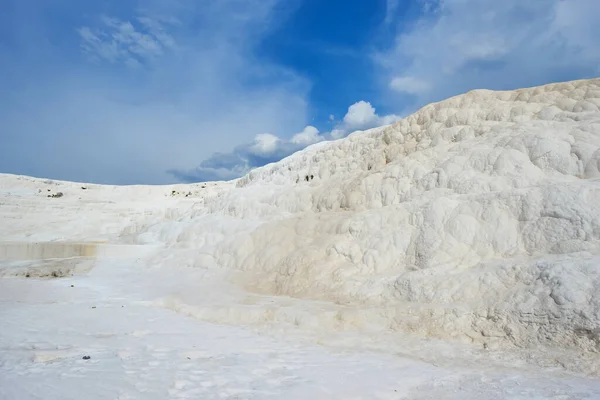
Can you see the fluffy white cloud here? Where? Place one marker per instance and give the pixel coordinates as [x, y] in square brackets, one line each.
[264, 149]
[459, 45]
[361, 115]
[265, 143]
[338, 133]
[267, 148]
[308, 136]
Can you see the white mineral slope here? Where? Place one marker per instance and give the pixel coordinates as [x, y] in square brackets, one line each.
[476, 218]
[89, 212]
[138, 351]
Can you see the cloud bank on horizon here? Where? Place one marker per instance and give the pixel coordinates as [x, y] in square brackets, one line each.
[161, 91]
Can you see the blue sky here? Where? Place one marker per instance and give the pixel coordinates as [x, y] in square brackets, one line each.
[160, 91]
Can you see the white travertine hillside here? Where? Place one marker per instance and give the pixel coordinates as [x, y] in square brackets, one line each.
[476, 218]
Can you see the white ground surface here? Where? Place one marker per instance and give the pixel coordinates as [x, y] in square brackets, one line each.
[139, 351]
[453, 255]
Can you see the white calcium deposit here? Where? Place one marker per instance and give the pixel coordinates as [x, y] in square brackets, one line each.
[475, 220]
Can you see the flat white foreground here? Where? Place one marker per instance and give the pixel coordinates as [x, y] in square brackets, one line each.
[140, 351]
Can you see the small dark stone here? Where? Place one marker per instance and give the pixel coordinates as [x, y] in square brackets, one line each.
[72, 285]
[27, 275]
[83, 188]
[86, 357]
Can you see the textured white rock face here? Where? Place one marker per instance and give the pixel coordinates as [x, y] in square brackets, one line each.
[476, 218]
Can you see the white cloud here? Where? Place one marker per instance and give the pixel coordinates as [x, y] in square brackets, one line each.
[459, 45]
[338, 133]
[117, 40]
[267, 148]
[265, 143]
[107, 123]
[156, 27]
[409, 84]
[264, 149]
[308, 136]
[361, 115]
